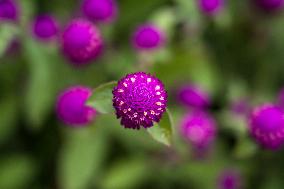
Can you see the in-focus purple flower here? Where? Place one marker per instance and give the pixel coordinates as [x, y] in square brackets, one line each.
[81, 42]
[211, 7]
[9, 10]
[229, 179]
[193, 97]
[139, 100]
[270, 5]
[148, 37]
[71, 108]
[267, 126]
[45, 27]
[198, 128]
[100, 10]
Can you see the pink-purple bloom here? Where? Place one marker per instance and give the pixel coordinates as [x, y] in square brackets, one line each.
[211, 7]
[45, 27]
[193, 96]
[270, 5]
[71, 108]
[9, 10]
[199, 129]
[100, 10]
[81, 42]
[229, 179]
[148, 37]
[267, 126]
[139, 100]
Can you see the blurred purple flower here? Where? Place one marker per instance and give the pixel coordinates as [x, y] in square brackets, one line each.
[71, 108]
[81, 42]
[139, 100]
[267, 126]
[100, 10]
[211, 7]
[148, 37]
[270, 5]
[193, 97]
[45, 27]
[198, 128]
[240, 107]
[9, 10]
[229, 179]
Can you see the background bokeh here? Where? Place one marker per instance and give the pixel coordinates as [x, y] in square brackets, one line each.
[235, 55]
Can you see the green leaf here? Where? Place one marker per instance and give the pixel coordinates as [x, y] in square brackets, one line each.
[101, 98]
[8, 117]
[7, 34]
[162, 131]
[81, 158]
[16, 171]
[40, 90]
[126, 174]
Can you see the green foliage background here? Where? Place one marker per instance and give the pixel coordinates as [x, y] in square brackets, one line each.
[236, 54]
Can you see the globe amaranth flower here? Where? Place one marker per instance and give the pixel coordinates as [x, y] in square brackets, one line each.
[71, 108]
[81, 42]
[198, 128]
[229, 179]
[100, 10]
[45, 27]
[269, 5]
[148, 37]
[9, 10]
[193, 97]
[211, 7]
[139, 100]
[267, 126]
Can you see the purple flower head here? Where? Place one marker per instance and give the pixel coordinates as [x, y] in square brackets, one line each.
[193, 97]
[139, 100]
[270, 5]
[199, 129]
[211, 7]
[148, 37]
[81, 42]
[267, 126]
[229, 179]
[45, 27]
[9, 10]
[71, 108]
[100, 10]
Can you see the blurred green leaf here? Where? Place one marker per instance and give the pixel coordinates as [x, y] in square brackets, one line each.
[7, 35]
[8, 117]
[101, 98]
[162, 131]
[245, 148]
[16, 171]
[165, 19]
[39, 94]
[81, 158]
[126, 174]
